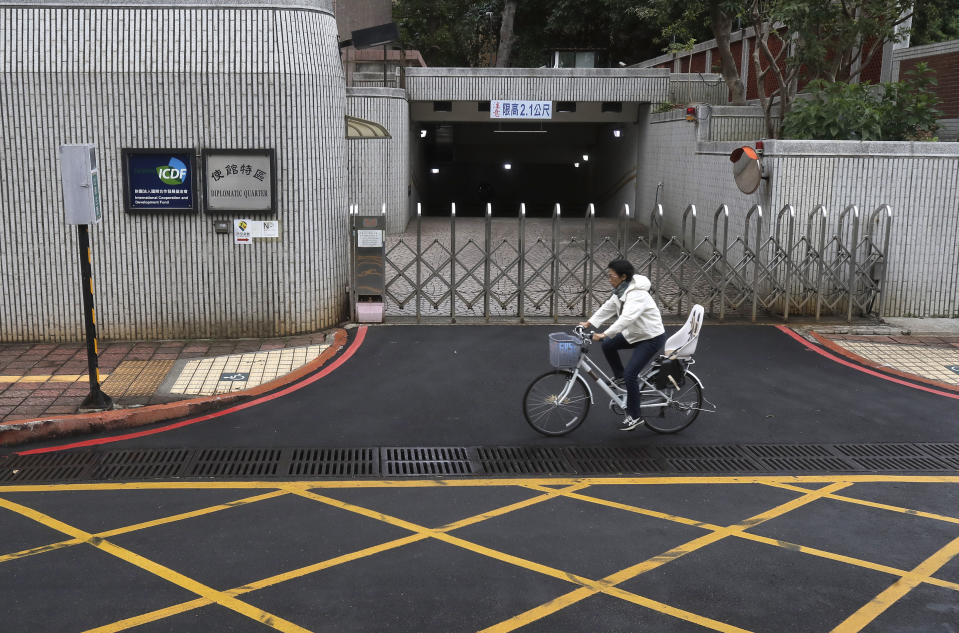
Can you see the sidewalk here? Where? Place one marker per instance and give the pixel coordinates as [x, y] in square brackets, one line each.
[47, 380]
[924, 350]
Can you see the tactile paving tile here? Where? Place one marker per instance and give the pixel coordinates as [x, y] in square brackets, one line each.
[133, 378]
[919, 360]
[150, 378]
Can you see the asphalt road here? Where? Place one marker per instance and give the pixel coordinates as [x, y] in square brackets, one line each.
[463, 386]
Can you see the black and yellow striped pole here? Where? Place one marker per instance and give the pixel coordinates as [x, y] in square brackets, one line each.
[81, 206]
[96, 398]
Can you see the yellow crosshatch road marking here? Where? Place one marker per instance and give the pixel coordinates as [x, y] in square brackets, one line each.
[871, 610]
[166, 573]
[144, 525]
[572, 488]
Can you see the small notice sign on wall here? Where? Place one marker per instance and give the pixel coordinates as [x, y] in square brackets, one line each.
[369, 239]
[244, 231]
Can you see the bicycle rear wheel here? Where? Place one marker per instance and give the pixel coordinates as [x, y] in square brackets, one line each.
[549, 414]
[677, 410]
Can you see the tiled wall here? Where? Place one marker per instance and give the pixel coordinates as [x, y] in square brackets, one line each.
[919, 180]
[191, 74]
[379, 168]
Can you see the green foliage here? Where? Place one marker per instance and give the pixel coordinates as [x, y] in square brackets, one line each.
[666, 106]
[935, 21]
[901, 111]
[460, 33]
[456, 33]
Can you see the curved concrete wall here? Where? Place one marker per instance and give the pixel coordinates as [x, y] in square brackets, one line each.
[257, 74]
[379, 168]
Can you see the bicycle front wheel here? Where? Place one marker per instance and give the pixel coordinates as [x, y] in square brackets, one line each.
[671, 410]
[551, 408]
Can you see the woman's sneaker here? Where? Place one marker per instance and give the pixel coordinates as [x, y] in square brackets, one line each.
[630, 423]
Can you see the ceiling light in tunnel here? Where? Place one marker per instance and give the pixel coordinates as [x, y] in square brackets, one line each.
[435, 170]
[507, 166]
[585, 157]
[576, 165]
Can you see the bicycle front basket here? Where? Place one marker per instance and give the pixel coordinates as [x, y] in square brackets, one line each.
[564, 350]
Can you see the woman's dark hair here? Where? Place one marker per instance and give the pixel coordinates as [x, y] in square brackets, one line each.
[622, 267]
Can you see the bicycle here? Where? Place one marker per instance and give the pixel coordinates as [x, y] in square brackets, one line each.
[671, 395]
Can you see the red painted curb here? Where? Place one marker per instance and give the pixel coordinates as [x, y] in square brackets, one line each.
[787, 330]
[24, 431]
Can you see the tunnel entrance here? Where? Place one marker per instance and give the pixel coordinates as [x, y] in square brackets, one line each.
[477, 162]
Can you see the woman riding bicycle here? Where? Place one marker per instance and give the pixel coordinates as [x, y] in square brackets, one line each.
[638, 326]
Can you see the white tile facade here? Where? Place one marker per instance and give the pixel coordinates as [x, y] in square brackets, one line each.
[189, 74]
[919, 180]
[379, 168]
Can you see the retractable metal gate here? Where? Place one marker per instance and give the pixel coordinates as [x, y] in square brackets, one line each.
[523, 268]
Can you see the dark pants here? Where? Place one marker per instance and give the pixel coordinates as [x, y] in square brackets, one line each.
[643, 352]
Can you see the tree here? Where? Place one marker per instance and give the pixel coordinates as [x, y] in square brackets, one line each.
[506, 34]
[721, 20]
[934, 21]
[816, 39]
[698, 20]
[454, 33]
[460, 33]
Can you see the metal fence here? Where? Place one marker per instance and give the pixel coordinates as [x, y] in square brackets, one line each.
[550, 268]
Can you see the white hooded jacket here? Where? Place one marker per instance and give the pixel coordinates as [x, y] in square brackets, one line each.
[637, 315]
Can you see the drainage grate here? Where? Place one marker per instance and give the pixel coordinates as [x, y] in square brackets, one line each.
[426, 461]
[891, 457]
[880, 450]
[333, 462]
[612, 461]
[48, 467]
[947, 453]
[236, 462]
[264, 463]
[141, 464]
[797, 457]
[707, 459]
[523, 461]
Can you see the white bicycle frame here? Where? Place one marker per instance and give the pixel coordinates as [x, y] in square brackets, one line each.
[588, 366]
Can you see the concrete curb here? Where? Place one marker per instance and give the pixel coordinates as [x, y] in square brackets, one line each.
[24, 431]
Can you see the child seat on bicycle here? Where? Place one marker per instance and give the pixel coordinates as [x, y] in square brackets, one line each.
[682, 344]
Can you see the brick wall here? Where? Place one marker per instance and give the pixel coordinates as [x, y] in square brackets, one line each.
[946, 67]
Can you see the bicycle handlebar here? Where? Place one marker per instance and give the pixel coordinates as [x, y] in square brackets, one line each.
[583, 333]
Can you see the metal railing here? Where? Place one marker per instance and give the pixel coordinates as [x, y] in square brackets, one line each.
[552, 268]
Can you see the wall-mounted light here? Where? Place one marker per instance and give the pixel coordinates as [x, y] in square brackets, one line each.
[422, 133]
[617, 133]
[435, 170]
[585, 157]
[507, 166]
